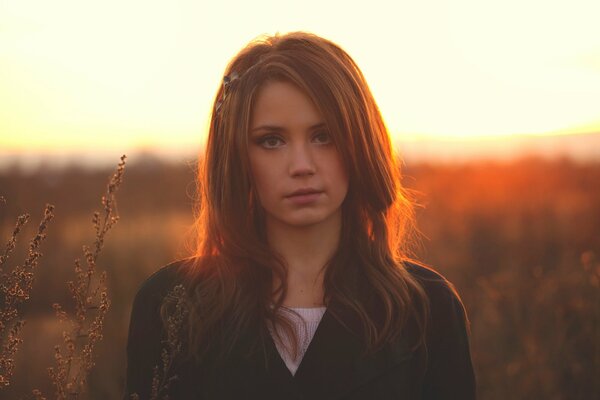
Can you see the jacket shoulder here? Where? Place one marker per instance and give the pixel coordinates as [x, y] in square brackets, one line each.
[444, 299]
[150, 294]
[163, 279]
[449, 372]
[424, 272]
[434, 283]
[146, 330]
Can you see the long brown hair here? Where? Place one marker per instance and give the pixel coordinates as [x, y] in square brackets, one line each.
[230, 281]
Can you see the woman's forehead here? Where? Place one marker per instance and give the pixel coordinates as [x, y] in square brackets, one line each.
[278, 104]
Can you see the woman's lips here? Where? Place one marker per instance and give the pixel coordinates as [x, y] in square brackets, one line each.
[304, 198]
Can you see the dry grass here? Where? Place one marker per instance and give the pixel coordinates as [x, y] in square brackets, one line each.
[15, 289]
[177, 309]
[75, 356]
[180, 309]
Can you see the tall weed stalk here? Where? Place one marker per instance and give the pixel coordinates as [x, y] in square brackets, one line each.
[74, 357]
[15, 289]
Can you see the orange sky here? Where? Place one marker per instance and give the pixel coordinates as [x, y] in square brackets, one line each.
[117, 75]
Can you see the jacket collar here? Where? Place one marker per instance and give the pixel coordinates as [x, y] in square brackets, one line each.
[334, 363]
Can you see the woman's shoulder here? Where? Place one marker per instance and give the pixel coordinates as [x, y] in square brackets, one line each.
[146, 328]
[423, 271]
[432, 281]
[445, 302]
[449, 370]
[163, 280]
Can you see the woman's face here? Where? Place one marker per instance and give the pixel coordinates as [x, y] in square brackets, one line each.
[297, 172]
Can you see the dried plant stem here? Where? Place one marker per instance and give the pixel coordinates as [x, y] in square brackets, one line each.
[90, 296]
[177, 304]
[12, 242]
[15, 288]
[177, 309]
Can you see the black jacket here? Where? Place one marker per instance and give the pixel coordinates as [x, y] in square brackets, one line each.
[333, 366]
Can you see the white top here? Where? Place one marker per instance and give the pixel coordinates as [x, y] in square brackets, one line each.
[305, 330]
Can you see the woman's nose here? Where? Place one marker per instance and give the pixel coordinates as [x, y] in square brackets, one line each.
[301, 161]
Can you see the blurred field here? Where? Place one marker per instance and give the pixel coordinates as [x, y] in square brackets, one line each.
[520, 241]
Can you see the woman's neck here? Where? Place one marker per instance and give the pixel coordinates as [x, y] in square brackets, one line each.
[306, 251]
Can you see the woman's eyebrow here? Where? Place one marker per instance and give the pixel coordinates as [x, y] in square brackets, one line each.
[281, 128]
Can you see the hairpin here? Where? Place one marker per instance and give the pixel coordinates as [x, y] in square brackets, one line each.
[227, 81]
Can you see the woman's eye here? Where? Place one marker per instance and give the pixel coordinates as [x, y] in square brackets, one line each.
[322, 138]
[270, 142]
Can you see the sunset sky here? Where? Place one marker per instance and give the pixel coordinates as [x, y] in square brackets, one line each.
[111, 76]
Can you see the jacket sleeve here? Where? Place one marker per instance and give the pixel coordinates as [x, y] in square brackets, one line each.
[144, 342]
[449, 373]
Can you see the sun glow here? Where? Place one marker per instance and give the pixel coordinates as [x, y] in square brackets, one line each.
[138, 74]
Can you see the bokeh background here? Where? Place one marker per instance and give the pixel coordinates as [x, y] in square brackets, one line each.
[493, 106]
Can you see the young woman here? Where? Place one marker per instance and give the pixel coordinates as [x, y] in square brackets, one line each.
[301, 286]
